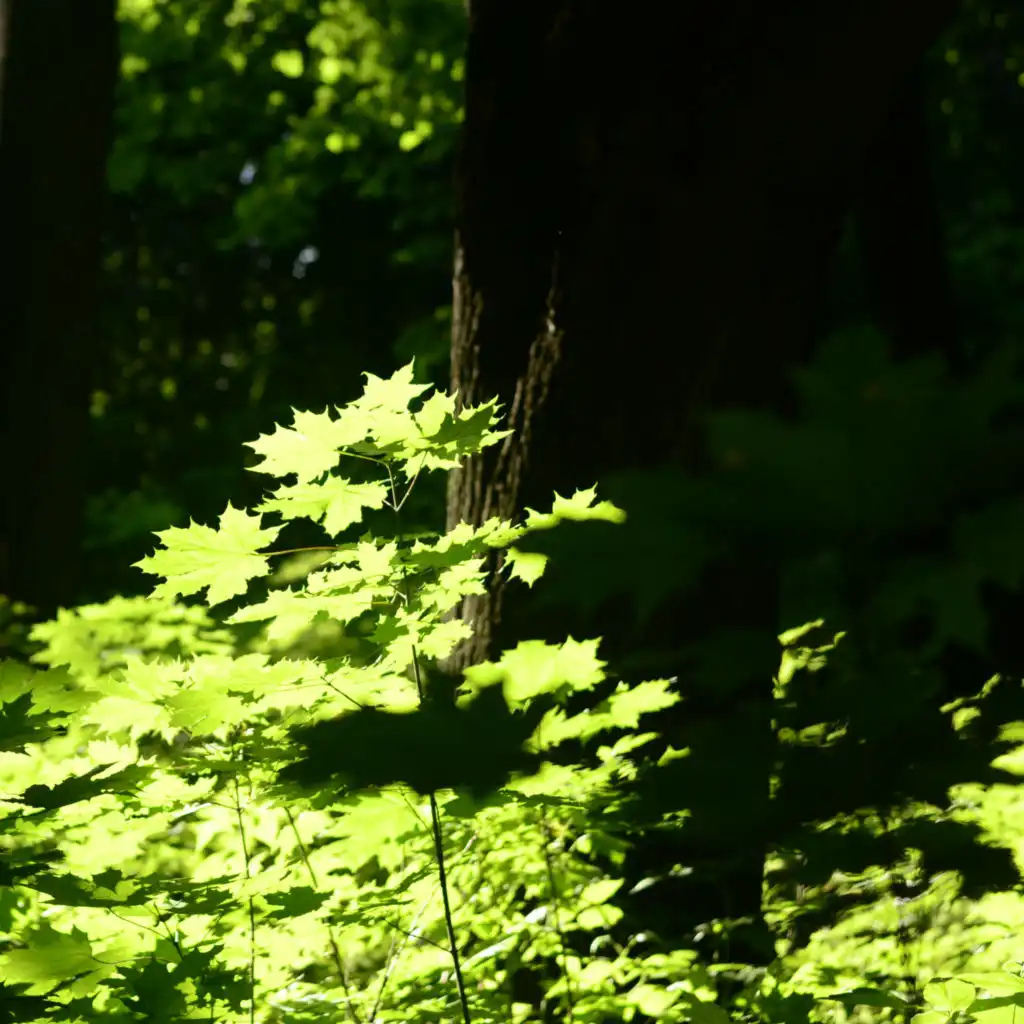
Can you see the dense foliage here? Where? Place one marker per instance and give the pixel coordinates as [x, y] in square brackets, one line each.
[198, 826]
[252, 792]
[181, 833]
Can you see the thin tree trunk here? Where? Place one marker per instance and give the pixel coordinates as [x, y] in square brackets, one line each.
[60, 69]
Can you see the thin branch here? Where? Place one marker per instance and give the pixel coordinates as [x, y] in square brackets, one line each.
[460, 984]
[435, 814]
[252, 909]
[570, 997]
[342, 973]
[299, 551]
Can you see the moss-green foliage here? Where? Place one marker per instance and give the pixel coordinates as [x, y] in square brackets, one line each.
[205, 816]
[189, 830]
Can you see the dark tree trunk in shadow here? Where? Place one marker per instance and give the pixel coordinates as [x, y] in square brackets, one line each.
[647, 215]
[59, 75]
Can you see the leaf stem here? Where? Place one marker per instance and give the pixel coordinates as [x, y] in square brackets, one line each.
[297, 551]
[435, 813]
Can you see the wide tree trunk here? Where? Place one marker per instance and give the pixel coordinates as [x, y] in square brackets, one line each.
[648, 207]
[59, 73]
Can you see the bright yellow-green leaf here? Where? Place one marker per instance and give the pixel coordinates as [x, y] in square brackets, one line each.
[433, 413]
[600, 891]
[223, 559]
[440, 641]
[451, 587]
[596, 972]
[930, 1017]
[595, 918]
[337, 502]
[393, 394]
[15, 680]
[1010, 1014]
[534, 667]
[628, 703]
[951, 996]
[57, 690]
[998, 983]
[289, 613]
[651, 999]
[527, 566]
[135, 716]
[52, 957]
[310, 447]
[579, 507]
[443, 443]
[204, 711]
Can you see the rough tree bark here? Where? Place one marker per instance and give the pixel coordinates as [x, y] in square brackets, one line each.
[60, 70]
[648, 206]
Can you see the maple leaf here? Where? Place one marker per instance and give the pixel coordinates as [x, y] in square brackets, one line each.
[534, 667]
[223, 559]
[392, 395]
[53, 957]
[310, 447]
[447, 435]
[433, 413]
[336, 501]
[579, 508]
[527, 566]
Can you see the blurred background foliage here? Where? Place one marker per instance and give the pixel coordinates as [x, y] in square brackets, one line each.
[281, 222]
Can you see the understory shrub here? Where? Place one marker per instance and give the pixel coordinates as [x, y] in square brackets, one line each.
[193, 829]
[200, 819]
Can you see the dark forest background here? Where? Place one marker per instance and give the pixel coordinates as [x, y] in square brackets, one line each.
[759, 275]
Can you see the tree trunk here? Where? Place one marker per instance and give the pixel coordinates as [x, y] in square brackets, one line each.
[60, 70]
[647, 214]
